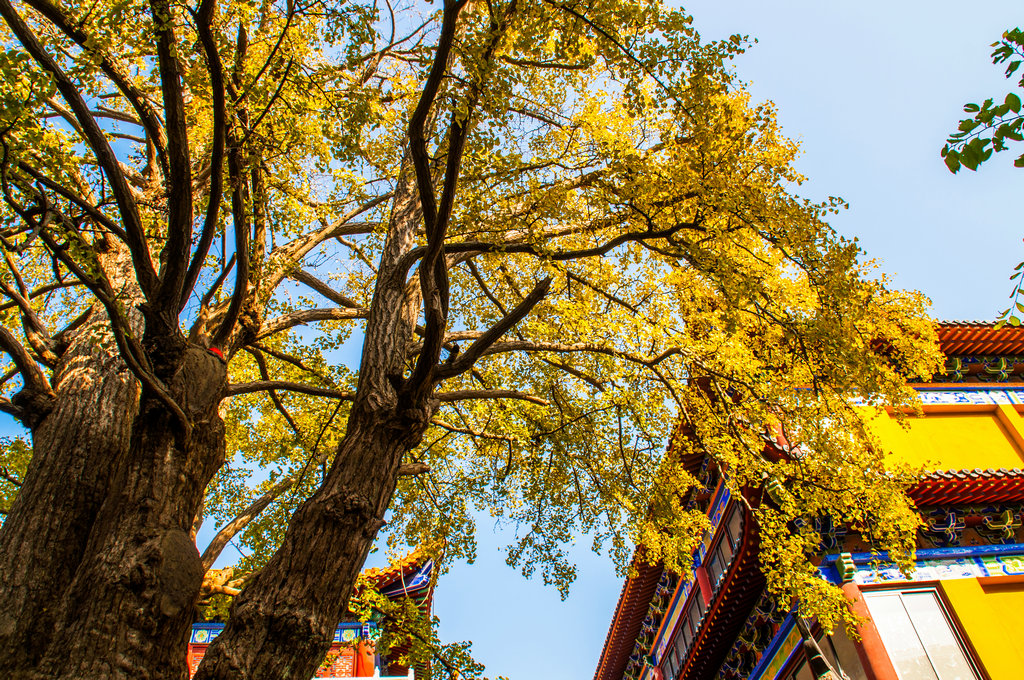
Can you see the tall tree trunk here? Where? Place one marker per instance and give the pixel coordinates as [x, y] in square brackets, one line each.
[128, 611]
[77, 450]
[282, 624]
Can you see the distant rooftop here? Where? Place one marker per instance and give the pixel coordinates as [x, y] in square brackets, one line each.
[980, 337]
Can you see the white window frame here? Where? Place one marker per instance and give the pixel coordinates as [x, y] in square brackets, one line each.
[944, 609]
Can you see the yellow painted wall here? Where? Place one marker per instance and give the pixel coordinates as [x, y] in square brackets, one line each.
[951, 439]
[990, 615]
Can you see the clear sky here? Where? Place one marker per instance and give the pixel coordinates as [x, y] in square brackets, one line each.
[870, 89]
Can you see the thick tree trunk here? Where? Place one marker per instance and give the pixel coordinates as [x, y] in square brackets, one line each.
[128, 611]
[77, 450]
[283, 622]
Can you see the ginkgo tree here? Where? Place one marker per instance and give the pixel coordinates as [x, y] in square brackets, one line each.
[555, 229]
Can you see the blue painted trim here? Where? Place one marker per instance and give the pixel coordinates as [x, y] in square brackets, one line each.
[208, 631]
[938, 553]
[773, 648]
[969, 387]
[417, 580]
[830, 573]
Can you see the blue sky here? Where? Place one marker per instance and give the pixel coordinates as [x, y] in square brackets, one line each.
[870, 89]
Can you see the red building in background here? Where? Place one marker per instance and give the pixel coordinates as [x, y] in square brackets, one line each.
[353, 651]
[955, 617]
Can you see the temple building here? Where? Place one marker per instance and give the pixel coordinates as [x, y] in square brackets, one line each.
[955, 617]
[353, 653]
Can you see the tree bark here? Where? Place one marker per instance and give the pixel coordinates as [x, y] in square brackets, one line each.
[141, 571]
[76, 450]
[282, 624]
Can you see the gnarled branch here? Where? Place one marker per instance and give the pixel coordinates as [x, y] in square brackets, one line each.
[308, 315]
[288, 386]
[461, 395]
[492, 335]
[319, 286]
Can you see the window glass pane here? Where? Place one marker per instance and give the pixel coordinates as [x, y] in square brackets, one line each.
[684, 637]
[846, 655]
[700, 603]
[715, 569]
[695, 618]
[726, 536]
[827, 648]
[711, 562]
[934, 629]
[897, 632]
[735, 530]
[707, 544]
[670, 662]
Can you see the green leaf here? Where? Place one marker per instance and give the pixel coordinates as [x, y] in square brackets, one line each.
[968, 125]
[953, 161]
[1013, 101]
[1013, 321]
[1019, 163]
[971, 108]
[969, 157]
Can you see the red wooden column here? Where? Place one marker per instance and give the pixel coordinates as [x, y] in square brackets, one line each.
[870, 649]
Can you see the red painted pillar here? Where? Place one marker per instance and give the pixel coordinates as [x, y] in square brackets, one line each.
[870, 649]
[704, 583]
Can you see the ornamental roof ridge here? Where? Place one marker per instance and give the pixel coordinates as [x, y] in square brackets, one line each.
[975, 473]
[965, 322]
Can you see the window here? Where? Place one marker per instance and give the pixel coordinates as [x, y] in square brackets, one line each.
[802, 672]
[918, 635]
[714, 568]
[735, 527]
[678, 654]
[695, 614]
[717, 559]
[842, 659]
[671, 663]
[689, 624]
[684, 637]
[720, 560]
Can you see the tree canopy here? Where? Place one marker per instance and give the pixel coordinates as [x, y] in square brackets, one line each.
[552, 233]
